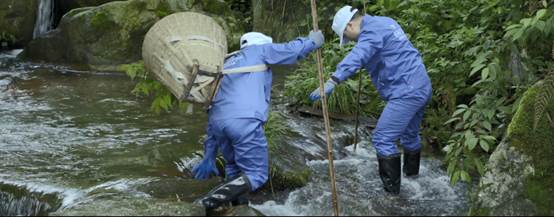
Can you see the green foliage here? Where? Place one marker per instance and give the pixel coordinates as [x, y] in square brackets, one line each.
[7, 37]
[147, 86]
[274, 128]
[544, 98]
[343, 99]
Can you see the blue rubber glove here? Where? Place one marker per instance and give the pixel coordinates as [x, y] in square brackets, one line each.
[328, 88]
[317, 37]
[205, 168]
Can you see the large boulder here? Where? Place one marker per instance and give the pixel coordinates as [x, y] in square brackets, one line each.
[103, 37]
[520, 176]
[62, 7]
[17, 21]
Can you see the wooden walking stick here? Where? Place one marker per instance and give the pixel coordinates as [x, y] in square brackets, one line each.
[325, 117]
[358, 104]
[358, 111]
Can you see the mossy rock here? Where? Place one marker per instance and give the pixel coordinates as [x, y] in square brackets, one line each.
[287, 170]
[111, 34]
[17, 21]
[520, 176]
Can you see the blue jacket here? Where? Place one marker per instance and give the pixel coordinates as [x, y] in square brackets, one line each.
[395, 66]
[247, 95]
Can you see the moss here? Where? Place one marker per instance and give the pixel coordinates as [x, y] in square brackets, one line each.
[281, 180]
[473, 211]
[215, 6]
[536, 143]
[7, 37]
[101, 20]
[163, 10]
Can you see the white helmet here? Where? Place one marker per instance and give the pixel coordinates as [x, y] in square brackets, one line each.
[341, 19]
[253, 38]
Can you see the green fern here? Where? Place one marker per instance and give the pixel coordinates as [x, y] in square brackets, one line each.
[544, 97]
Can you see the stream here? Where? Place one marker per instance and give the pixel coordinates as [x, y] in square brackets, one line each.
[74, 142]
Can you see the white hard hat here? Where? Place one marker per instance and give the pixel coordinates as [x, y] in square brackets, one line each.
[341, 19]
[253, 38]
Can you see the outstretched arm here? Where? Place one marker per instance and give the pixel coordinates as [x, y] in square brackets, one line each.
[293, 51]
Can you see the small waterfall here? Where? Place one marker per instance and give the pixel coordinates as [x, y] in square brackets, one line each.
[45, 17]
[20, 201]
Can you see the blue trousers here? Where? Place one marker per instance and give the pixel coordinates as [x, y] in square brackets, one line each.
[244, 146]
[400, 119]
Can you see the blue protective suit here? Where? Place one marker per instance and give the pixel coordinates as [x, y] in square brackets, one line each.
[399, 75]
[241, 107]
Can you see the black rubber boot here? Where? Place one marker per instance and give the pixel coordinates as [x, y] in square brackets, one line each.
[226, 193]
[411, 163]
[389, 170]
[241, 200]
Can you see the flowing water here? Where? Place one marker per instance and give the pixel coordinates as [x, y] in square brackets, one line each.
[45, 17]
[71, 138]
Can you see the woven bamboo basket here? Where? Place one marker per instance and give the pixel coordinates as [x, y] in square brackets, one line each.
[185, 52]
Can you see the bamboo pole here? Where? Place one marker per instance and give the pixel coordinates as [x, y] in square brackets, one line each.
[358, 104]
[358, 111]
[325, 115]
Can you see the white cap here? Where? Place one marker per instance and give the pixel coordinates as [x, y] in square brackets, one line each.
[341, 19]
[253, 38]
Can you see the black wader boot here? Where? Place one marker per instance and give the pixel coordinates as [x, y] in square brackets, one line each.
[411, 163]
[389, 170]
[227, 193]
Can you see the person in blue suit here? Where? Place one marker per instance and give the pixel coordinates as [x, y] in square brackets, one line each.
[399, 75]
[239, 111]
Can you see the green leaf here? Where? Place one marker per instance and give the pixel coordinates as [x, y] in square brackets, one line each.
[458, 112]
[513, 26]
[476, 69]
[541, 26]
[479, 165]
[484, 145]
[462, 106]
[540, 14]
[465, 176]
[451, 120]
[454, 178]
[466, 115]
[485, 74]
[471, 143]
[487, 125]
[489, 138]
[518, 34]
[526, 22]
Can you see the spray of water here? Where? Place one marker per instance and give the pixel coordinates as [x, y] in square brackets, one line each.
[361, 193]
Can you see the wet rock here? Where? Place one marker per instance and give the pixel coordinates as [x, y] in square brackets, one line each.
[62, 7]
[520, 178]
[187, 190]
[17, 21]
[131, 206]
[111, 34]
